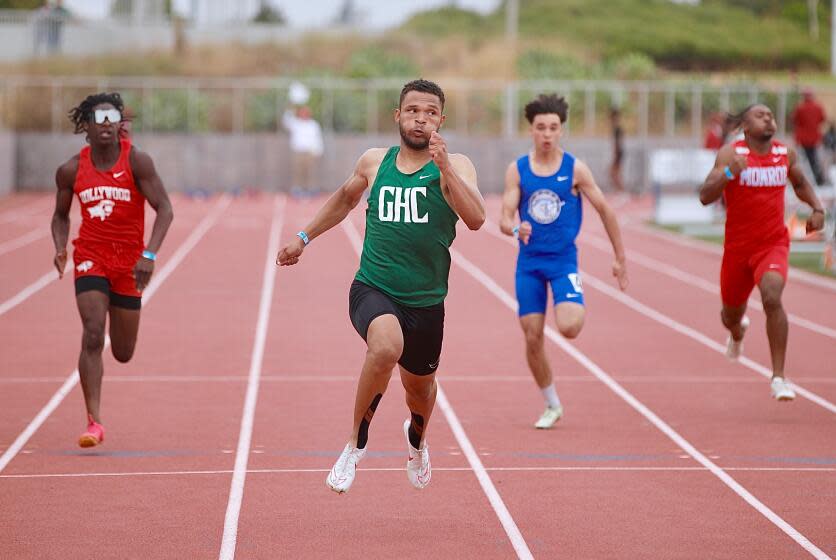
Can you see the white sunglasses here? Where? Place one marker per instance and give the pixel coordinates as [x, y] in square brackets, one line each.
[112, 115]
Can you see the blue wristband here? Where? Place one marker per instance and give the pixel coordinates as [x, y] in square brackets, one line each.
[516, 231]
[728, 172]
[304, 237]
[146, 254]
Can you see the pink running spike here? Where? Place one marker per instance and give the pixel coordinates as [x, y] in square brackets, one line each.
[94, 434]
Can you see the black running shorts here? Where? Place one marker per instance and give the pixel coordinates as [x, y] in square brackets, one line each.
[422, 327]
[101, 284]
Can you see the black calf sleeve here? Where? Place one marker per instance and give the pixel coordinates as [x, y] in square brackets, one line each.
[363, 432]
[416, 430]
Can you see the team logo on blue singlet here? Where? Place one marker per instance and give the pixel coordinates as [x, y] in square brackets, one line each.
[544, 206]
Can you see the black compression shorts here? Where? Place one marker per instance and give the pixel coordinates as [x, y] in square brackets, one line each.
[422, 327]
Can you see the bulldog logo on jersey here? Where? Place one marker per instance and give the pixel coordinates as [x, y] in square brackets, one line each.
[544, 206]
[102, 210]
[85, 266]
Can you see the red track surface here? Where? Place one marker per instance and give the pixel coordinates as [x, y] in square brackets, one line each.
[606, 483]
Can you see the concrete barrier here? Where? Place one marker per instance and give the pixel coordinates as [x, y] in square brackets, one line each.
[224, 161]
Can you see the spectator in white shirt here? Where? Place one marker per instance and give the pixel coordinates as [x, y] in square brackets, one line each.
[306, 148]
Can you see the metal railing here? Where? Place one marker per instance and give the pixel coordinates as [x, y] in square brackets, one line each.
[474, 107]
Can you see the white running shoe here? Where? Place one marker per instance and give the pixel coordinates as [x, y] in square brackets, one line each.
[781, 390]
[418, 468]
[342, 473]
[734, 348]
[549, 418]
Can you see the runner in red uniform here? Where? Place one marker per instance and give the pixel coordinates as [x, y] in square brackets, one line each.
[751, 174]
[112, 181]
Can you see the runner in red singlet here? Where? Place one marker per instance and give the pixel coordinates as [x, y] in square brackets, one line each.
[112, 181]
[751, 174]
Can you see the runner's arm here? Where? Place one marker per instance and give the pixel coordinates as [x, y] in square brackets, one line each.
[712, 188]
[510, 199]
[586, 184]
[343, 201]
[805, 192]
[64, 179]
[464, 196]
[150, 185]
[336, 208]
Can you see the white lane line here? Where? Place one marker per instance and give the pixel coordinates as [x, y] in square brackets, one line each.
[672, 324]
[239, 475]
[28, 291]
[156, 281]
[697, 336]
[543, 469]
[23, 240]
[711, 248]
[660, 424]
[693, 280]
[511, 529]
[505, 518]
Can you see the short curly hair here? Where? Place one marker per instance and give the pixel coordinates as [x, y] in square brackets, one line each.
[424, 86]
[545, 104]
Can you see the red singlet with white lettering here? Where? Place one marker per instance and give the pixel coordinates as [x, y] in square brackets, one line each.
[112, 207]
[755, 200]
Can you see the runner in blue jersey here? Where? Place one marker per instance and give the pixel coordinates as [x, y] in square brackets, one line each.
[545, 188]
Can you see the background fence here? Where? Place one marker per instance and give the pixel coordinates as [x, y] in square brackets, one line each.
[490, 108]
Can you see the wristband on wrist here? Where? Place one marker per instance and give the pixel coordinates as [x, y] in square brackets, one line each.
[516, 231]
[304, 237]
[728, 173]
[819, 210]
[146, 254]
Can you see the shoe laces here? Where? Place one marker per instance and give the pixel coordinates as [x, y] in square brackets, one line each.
[422, 455]
[346, 458]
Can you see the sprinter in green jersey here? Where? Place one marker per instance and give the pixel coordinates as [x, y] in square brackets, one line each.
[396, 302]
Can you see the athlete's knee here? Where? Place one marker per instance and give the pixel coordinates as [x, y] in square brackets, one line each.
[771, 286]
[123, 354]
[771, 300]
[570, 325]
[731, 317]
[570, 330]
[533, 337]
[421, 391]
[385, 353]
[93, 337]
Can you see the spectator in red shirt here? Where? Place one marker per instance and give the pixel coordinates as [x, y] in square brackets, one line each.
[807, 119]
[715, 134]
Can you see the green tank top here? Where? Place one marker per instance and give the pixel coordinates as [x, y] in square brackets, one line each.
[409, 229]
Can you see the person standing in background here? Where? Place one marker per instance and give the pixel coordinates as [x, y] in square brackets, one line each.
[306, 147]
[716, 132]
[807, 119]
[618, 155]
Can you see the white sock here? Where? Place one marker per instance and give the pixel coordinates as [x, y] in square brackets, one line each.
[550, 394]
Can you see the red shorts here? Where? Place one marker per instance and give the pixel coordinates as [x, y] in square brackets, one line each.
[112, 262]
[742, 270]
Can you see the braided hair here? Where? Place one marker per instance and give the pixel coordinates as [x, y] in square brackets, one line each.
[84, 112]
[735, 121]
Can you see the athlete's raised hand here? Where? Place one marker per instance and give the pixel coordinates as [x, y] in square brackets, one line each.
[60, 262]
[290, 253]
[738, 164]
[438, 151]
[619, 270]
[143, 269]
[524, 232]
[816, 221]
